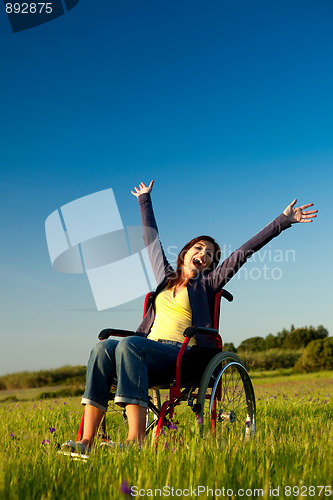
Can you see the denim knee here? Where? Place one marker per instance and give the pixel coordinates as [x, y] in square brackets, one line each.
[101, 371]
[132, 375]
[128, 343]
[101, 351]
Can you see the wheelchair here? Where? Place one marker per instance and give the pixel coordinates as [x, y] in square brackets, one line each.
[213, 383]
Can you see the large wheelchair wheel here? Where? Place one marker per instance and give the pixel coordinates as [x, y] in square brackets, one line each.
[226, 401]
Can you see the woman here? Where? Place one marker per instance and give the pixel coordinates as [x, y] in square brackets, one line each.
[183, 298]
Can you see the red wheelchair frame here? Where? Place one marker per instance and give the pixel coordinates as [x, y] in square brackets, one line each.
[216, 369]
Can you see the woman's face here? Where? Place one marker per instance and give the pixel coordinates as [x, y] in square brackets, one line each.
[198, 257]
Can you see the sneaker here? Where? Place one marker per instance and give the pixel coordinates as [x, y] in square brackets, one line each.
[74, 449]
[111, 445]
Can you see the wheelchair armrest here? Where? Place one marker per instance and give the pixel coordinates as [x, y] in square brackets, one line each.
[192, 330]
[113, 332]
[227, 295]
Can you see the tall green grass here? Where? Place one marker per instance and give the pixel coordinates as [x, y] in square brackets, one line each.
[293, 447]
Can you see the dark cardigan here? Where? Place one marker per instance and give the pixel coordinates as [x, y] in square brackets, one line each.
[201, 291]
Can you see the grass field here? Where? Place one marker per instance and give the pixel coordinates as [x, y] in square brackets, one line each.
[290, 457]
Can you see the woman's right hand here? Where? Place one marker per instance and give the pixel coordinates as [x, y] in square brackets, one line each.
[142, 189]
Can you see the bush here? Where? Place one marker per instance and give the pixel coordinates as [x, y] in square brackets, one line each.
[271, 360]
[318, 355]
[62, 393]
[66, 375]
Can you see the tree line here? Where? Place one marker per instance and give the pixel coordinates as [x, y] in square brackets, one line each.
[295, 338]
[307, 348]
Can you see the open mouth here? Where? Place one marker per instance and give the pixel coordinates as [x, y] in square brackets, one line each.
[197, 263]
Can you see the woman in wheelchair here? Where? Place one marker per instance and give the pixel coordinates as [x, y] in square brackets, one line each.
[183, 298]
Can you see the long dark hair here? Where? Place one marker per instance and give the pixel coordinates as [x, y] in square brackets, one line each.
[177, 277]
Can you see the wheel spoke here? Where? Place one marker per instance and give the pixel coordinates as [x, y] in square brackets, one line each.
[234, 411]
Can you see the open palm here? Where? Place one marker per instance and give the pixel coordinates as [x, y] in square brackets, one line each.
[142, 189]
[298, 214]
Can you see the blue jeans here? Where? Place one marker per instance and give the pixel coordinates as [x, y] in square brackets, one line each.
[136, 363]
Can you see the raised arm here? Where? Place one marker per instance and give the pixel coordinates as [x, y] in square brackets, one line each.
[157, 257]
[149, 225]
[232, 264]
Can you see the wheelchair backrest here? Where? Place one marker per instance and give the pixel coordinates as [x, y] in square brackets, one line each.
[216, 310]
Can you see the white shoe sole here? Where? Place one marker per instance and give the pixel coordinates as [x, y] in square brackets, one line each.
[74, 455]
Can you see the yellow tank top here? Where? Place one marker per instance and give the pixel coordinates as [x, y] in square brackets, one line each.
[172, 316]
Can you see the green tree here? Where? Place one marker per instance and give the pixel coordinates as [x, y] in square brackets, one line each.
[229, 346]
[253, 344]
[301, 337]
[282, 336]
[271, 341]
[318, 355]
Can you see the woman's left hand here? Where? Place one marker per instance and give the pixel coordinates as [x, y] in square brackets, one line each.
[143, 189]
[298, 214]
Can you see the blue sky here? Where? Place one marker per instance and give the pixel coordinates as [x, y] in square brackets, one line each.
[226, 104]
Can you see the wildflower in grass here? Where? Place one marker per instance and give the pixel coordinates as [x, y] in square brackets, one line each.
[165, 446]
[162, 432]
[125, 488]
[173, 426]
[12, 435]
[52, 430]
[200, 420]
[247, 423]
